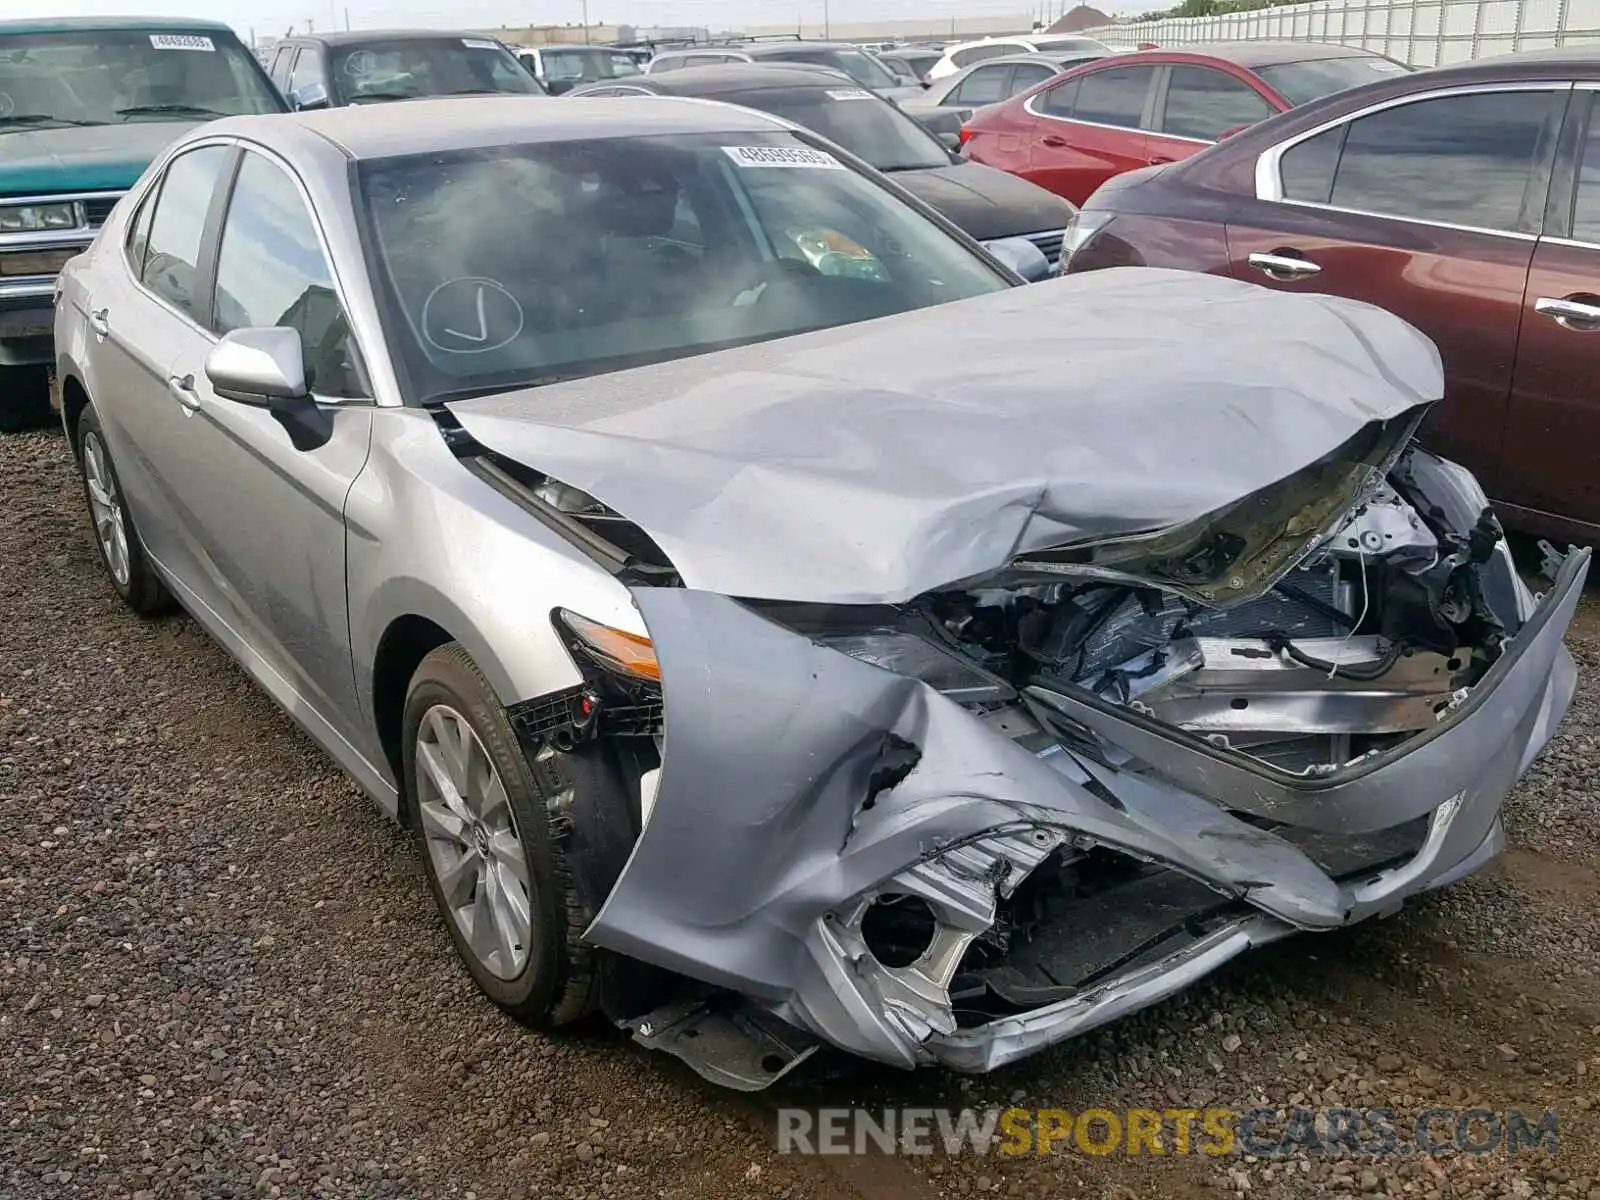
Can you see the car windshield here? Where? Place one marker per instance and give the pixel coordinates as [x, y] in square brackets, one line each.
[402, 68]
[109, 77]
[869, 127]
[583, 64]
[859, 65]
[1303, 82]
[631, 250]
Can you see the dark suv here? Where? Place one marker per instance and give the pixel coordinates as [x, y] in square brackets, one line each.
[85, 105]
[369, 66]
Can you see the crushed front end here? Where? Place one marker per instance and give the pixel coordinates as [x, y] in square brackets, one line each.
[961, 829]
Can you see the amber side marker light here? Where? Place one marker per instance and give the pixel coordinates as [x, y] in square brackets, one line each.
[621, 651]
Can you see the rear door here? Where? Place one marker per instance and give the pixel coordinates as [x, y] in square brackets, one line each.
[144, 318]
[1197, 106]
[1090, 127]
[1553, 429]
[1428, 206]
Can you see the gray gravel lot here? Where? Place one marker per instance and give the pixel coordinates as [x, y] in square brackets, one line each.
[221, 975]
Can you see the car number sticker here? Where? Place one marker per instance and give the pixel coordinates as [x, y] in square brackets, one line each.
[180, 41]
[479, 44]
[849, 94]
[781, 156]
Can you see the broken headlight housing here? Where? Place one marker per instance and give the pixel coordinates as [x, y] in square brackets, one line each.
[907, 654]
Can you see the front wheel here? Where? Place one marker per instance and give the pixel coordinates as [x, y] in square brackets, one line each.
[482, 817]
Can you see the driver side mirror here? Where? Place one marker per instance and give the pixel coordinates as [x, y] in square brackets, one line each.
[265, 368]
[313, 95]
[951, 140]
[1022, 256]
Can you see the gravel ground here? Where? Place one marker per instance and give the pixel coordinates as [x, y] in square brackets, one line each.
[221, 975]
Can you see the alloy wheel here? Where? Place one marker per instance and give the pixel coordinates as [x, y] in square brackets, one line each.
[473, 847]
[105, 506]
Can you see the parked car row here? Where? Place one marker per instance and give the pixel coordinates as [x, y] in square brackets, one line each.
[507, 441]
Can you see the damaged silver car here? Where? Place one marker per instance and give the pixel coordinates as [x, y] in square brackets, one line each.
[779, 627]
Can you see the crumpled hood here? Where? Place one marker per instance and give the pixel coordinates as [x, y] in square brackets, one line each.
[987, 203]
[870, 463]
[88, 158]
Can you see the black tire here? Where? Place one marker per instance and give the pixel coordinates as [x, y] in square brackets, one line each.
[142, 590]
[24, 399]
[556, 985]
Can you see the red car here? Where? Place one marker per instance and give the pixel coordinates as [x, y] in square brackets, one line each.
[1074, 132]
[1465, 199]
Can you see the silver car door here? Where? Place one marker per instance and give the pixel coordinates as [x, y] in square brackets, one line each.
[142, 315]
[267, 519]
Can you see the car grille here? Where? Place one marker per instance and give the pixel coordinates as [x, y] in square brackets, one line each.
[98, 208]
[1049, 242]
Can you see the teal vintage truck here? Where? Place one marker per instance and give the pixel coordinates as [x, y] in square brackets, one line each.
[85, 105]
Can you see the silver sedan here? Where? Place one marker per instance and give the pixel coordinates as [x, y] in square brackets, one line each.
[778, 627]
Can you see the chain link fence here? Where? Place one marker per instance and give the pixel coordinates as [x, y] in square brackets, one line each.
[1423, 33]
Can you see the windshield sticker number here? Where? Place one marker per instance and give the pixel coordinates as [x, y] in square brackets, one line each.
[7, 106]
[849, 94]
[781, 156]
[479, 44]
[470, 316]
[360, 63]
[180, 41]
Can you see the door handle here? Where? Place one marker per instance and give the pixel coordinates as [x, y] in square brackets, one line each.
[1159, 159]
[1571, 312]
[1051, 139]
[182, 389]
[100, 321]
[1283, 265]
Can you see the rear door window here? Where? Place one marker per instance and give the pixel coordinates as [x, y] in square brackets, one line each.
[1478, 160]
[1115, 96]
[986, 85]
[1204, 103]
[171, 267]
[1058, 101]
[1025, 75]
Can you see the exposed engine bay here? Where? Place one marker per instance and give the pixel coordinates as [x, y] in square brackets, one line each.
[1382, 625]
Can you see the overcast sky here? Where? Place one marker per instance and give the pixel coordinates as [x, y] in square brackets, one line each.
[274, 16]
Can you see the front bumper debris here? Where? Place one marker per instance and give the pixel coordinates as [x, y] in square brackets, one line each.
[801, 786]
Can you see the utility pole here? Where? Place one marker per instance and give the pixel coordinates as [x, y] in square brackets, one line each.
[827, 28]
[585, 22]
[347, 18]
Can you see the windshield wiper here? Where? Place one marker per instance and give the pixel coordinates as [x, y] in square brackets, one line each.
[481, 92]
[359, 98]
[43, 118]
[193, 110]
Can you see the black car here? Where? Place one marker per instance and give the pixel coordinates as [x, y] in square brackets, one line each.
[335, 69]
[987, 204]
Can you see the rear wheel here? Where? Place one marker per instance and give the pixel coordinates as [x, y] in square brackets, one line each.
[482, 817]
[131, 573]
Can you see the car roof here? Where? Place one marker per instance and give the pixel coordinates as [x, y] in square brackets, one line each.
[1252, 54]
[110, 25]
[479, 122]
[1535, 63]
[358, 37]
[1043, 59]
[733, 78]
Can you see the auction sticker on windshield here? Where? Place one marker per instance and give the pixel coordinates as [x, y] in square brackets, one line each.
[849, 94]
[180, 41]
[479, 44]
[781, 156]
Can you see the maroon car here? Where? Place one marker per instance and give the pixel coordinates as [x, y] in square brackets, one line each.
[1126, 111]
[1466, 200]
